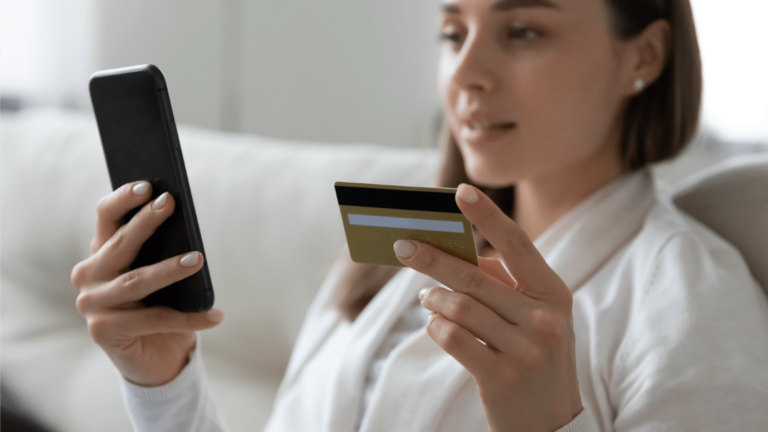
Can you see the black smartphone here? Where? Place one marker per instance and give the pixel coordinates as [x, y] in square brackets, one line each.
[140, 142]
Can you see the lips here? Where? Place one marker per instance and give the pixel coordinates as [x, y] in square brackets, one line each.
[486, 126]
[482, 134]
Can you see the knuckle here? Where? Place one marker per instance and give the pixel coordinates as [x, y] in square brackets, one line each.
[433, 328]
[472, 281]
[132, 280]
[99, 329]
[78, 276]
[460, 307]
[118, 239]
[83, 302]
[431, 295]
[550, 326]
[451, 337]
[517, 240]
[102, 207]
[434, 296]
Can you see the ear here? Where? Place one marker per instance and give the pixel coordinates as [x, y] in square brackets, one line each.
[649, 53]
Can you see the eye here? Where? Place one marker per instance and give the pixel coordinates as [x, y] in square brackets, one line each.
[452, 37]
[524, 33]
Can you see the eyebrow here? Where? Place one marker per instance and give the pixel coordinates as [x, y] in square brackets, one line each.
[504, 5]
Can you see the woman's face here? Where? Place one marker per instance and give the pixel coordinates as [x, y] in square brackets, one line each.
[530, 87]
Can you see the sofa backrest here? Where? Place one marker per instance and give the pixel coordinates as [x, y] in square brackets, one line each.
[267, 212]
[731, 198]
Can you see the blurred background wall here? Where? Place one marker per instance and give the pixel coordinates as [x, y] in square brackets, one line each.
[333, 70]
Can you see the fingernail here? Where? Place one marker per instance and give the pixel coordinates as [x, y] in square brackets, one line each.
[160, 201]
[140, 188]
[422, 293]
[467, 194]
[190, 259]
[431, 317]
[215, 315]
[405, 248]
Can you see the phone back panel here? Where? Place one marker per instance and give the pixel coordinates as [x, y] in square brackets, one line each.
[140, 142]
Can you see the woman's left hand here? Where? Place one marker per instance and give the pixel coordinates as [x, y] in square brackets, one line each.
[525, 366]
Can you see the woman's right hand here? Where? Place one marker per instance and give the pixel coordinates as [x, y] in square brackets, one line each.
[149, 346]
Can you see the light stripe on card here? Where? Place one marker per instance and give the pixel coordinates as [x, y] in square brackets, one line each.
[405, 223]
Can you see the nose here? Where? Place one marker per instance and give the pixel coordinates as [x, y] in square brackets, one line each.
[473, 68]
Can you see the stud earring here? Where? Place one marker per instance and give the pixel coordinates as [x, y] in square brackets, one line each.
[639, 85]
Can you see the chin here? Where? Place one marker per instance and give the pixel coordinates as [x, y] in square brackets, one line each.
[493, 175]
[489, 168]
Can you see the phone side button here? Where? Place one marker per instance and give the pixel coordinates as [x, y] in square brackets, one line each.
[175, 135]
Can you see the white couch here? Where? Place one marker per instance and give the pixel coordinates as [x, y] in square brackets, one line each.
[271, 228]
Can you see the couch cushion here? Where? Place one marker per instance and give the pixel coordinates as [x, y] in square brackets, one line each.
[731, 198]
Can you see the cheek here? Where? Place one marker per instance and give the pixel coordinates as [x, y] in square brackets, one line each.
[569, 105]
[449, 93]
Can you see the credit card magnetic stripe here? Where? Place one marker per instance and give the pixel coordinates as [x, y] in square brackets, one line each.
[397, 199]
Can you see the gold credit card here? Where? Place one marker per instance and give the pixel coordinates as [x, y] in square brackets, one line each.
[376, 216]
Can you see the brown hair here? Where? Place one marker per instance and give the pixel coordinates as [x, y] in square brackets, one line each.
[658, 123]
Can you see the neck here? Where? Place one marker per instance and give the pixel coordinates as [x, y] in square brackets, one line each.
[541, 201]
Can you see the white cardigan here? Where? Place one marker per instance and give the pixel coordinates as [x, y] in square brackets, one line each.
[671, 335]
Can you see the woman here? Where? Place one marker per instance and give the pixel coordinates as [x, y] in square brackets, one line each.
[622, 315]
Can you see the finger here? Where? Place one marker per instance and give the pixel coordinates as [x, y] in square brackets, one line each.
[459, 343]
[463, 277]
[474, 316]
[114, 206]
[136, 284]
[529, 269]
[147, 321]
[121, 249]
[496, 269]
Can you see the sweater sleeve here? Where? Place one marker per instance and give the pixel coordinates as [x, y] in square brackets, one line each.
[581, 423]
[694, 356]
[183, 405]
